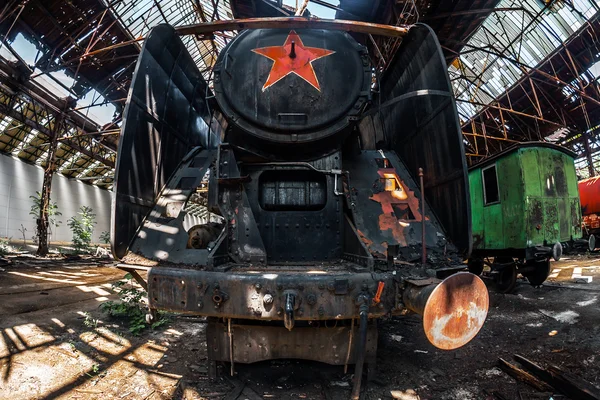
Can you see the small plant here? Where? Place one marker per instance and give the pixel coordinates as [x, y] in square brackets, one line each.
[94, 371]
[4, 247]
[105, 237]
[82, 229]
[131, 306]
[53, 214]
[90, 321]
[23, 230]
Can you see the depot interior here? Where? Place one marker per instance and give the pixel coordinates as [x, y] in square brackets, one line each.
[524, 79]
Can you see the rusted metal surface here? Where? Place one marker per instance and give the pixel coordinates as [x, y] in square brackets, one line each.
[317, 296]
[386, 201]
[252, 343]
[453, 311]
[294, 23]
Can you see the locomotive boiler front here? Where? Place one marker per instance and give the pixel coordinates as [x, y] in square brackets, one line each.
[292, 94]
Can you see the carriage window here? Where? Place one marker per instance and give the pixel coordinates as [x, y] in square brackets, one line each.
[491, 194]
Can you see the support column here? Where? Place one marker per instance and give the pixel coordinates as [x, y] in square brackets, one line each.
[588, 154]
[43, 220]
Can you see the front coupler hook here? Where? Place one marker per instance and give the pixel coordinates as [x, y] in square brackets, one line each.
[288, 316]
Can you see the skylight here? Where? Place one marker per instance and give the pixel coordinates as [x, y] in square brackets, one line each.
[86, 171]
[139, 16]
[25, 142]
[4, 123]
[591, 74]
[70, 161]
[480, 74]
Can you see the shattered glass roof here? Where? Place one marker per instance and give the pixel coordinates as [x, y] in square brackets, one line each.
[139, 16]
[518, 35]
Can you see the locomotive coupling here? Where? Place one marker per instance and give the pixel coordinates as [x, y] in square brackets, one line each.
[453, 311]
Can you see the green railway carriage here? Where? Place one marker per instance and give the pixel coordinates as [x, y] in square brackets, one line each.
[525, 210]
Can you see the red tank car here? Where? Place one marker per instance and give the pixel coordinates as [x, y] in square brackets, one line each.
[589, 194]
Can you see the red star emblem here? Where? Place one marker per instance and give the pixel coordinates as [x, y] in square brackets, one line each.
[292, 58]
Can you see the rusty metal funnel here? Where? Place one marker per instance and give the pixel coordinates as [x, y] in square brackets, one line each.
[453, 311]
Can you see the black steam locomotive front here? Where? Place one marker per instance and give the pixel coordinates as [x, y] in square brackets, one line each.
[283, 203]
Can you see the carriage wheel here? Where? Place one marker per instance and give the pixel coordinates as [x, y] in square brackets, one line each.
[475, 266]
[540, 272]
[506, 279]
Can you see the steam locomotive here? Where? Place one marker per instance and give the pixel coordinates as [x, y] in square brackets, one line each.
[283, 202]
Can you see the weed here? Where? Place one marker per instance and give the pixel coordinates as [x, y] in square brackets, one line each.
[90, 321]
[95, 370]
[4, 246]
[131, 307]
[82, 229]
[105, 237]
[23, 230]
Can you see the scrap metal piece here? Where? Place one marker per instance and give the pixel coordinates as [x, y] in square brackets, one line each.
[453, 311]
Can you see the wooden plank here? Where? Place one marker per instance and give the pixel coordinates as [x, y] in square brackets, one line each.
[573, 385]
[237, 389]
[251, 394]
[523, 376]
[565, 382]
[535, 369]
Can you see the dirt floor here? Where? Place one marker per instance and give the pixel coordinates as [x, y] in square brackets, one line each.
[49, 349]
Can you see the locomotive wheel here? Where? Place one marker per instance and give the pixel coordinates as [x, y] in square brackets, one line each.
[475, 266]
[540, 272]
[506, 280]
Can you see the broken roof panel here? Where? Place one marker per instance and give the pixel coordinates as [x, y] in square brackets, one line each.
[519, 34]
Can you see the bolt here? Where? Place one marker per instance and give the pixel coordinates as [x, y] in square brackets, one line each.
[311, 299]
[258, 286]
[321, 311]
[268, 298]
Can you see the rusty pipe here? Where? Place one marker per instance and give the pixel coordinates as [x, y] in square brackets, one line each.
[453, 311]
[362, 347]
[415, 297]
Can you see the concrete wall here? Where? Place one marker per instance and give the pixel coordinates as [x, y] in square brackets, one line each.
[19, 180]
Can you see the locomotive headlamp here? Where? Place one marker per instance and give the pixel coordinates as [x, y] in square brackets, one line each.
[392, 185]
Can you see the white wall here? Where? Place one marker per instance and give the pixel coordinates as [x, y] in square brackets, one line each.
[19, 180]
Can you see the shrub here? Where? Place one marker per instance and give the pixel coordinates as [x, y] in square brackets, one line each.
[82, 228]
[4, 246]
[105, 237]
[131, 306]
